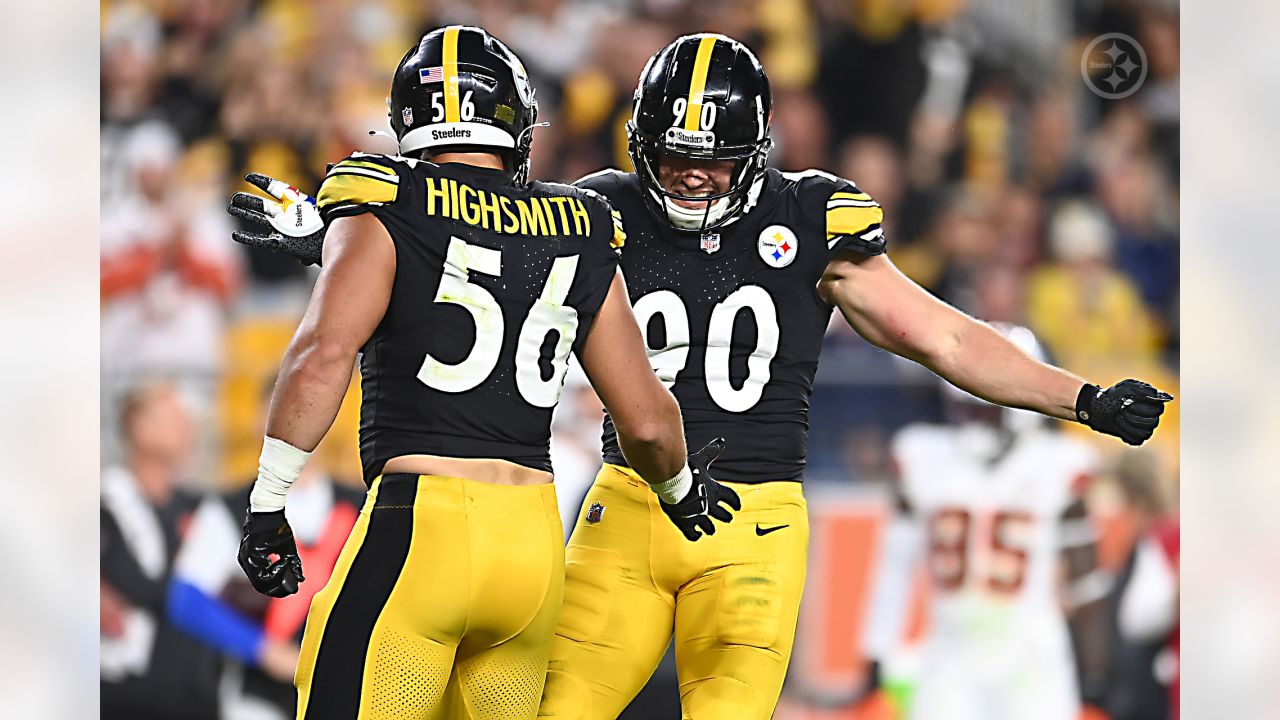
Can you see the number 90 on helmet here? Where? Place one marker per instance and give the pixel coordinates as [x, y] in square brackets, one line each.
[461, 86]
[703, 97]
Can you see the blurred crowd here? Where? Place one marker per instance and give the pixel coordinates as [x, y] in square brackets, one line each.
[1010, 189]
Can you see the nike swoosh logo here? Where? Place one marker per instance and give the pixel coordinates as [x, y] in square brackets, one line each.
[766, 531]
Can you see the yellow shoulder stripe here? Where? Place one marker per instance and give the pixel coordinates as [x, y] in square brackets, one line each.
[851, 220]
[351, 189]
[365, 165]
[850, 196]
[619, 235]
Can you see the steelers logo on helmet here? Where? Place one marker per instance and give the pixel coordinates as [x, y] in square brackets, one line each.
[703, 97]
[777, 246]
[459, 85]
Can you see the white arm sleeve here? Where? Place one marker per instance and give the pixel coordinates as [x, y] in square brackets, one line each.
[891, 587]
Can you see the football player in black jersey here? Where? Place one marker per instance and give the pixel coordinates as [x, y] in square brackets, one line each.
[463, 288]
[735, 269]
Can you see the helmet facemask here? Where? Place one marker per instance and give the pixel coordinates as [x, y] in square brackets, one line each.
[719, 208]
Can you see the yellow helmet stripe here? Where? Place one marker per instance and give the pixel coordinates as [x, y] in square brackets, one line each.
[693, 113]
[450, 63]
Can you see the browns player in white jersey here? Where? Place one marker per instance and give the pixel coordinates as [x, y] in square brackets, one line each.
[992, 506]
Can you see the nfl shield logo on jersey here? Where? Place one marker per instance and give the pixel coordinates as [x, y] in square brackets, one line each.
[710, 242]
[407, 115]
[595, 512]
[778, 246]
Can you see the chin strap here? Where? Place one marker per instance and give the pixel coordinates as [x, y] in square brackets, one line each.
[691, 219]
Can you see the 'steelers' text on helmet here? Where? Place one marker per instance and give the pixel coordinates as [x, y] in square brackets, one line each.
[462, 86]
[703, 96]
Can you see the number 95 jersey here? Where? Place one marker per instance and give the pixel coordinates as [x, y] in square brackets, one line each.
[495, 284]
[732, 316]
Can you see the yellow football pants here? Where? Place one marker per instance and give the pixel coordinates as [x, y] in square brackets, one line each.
[632, 580]
[443, 604]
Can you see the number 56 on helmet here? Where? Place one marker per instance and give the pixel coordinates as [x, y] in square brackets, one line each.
[461, 86]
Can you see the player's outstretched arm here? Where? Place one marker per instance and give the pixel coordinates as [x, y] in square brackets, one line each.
[347, 303]
[894, 313]
[648, 421]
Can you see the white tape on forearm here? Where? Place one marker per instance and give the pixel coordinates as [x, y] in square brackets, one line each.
[674, 490]
[278, 466]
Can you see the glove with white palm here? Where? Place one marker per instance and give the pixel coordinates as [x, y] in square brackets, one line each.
[293, 225]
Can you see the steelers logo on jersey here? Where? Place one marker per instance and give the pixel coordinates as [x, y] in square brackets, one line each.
[778, 246]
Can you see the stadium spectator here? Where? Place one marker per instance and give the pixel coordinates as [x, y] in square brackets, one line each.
[1149, 605]
[1143, 601]
[167, 276]
[257, 636]
[151, 670]
[1089, 313]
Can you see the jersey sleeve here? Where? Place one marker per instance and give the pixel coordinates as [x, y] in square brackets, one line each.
[599, 185]
[854, 221]
[357, 185]
[601, 263]
[619, 233]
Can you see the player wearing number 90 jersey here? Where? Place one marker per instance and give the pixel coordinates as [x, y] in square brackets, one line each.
[732, 315]
[727, 297]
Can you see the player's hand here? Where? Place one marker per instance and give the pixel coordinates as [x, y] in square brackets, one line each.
[291, 226]
[1129, 410]
[693, 515]
[265, 535]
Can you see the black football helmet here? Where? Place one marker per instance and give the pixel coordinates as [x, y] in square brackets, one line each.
[703, 96]
[462, 86]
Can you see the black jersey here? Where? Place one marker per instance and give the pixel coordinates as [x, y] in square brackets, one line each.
[495, 284]
[732, 316]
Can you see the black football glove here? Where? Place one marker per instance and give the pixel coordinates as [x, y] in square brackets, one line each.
[293, 225]
[1129, 410]
[267, 534]
[693, 515]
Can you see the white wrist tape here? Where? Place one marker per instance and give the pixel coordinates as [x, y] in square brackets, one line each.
[674, 490]
[278, 466]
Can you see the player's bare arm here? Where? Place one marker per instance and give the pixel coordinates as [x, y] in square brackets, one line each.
[349, 300]
[894, 313]
[648, 421]
[646, 415]
[346, 306]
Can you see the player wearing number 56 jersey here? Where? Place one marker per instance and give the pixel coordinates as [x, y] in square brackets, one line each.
[464, 288]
